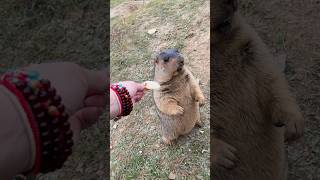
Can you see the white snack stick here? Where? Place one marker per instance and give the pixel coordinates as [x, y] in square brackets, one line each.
[151, 85]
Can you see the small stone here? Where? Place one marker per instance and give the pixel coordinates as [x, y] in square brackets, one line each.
[115, 126]
[152, 31]
[172, 175]
[204, 151]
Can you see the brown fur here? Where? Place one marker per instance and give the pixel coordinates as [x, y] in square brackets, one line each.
[251, 100]
[177, 101]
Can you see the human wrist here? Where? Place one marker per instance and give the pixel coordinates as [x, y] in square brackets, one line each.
[124, 98]
[46, 118]
[14, 157]
[115, 104]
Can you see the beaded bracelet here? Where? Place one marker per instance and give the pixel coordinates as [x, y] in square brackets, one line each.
[124, 97]
[47, 118]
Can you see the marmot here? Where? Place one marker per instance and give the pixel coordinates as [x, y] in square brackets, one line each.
[179, 96]
[253, 110]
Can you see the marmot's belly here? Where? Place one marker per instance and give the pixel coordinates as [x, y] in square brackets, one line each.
[173, 126]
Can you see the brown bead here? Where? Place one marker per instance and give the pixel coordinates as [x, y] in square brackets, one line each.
[43, 95]
[27, 91]
[40, 115]
[61, 108]
[32, 99]
[53, 111]
[35, 84]
[56, 100]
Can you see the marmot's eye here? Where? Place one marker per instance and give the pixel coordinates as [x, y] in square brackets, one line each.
[166, 59]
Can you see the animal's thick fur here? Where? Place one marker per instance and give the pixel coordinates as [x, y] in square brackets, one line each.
[178, 99]
[253, 110]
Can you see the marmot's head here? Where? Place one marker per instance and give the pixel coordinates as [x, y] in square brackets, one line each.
[168, 63]
[223, 19]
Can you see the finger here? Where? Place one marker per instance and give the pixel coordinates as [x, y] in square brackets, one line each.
[226, 163]
[230, 155]
[138, 96]
[140, 87]
[231, 148]
[97, 81]
[84, 118]
[96, 100]
[136, 99]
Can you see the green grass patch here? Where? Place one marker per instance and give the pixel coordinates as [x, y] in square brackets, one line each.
[114, 3]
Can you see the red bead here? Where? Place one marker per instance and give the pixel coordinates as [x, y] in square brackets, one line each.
[45, 83]
[52, 92]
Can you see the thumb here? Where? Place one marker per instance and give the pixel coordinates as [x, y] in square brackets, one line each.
[84, 118]
[97, 81]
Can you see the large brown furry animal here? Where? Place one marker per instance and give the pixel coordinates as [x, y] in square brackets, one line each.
[253, 110]
[179, 96]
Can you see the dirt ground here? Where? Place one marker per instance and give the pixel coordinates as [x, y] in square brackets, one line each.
[291, 29]
[50, 31]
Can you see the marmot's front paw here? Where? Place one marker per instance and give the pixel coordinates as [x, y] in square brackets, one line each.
[175, 110]
[201, 99]
[294, 128]
[223, 155]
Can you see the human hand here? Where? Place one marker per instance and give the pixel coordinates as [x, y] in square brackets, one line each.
[136, 90]
[82, 91]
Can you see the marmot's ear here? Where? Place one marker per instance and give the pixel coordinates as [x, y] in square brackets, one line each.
[154, 56]
[223, 12]
[234, 4]
[176, 50]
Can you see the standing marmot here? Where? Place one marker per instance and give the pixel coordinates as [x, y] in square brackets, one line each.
[179, 96]
[253, 110]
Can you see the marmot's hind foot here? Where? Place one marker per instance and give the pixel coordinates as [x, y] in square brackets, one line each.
[167, 141]
[199, 123]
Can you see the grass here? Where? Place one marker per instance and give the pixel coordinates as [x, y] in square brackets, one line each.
[136, 149]
[114, 3]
